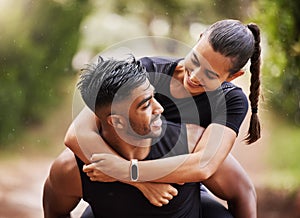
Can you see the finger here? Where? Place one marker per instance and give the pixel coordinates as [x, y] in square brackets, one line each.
[173, 191]
[164, 201]
[87, 168]
[156, 203]
[181, 183]
[93, 178]
[90, 174]
[168, 196]
[96, 157]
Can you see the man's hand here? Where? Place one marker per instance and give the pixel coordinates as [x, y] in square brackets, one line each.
[158, 194]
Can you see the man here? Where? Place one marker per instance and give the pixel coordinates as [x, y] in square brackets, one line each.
[123, 99]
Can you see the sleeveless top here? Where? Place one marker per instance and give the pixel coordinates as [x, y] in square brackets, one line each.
[227, 105]
[117, 199]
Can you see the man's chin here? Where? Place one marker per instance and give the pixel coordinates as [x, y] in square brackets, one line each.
[156, 130]
[155, 133]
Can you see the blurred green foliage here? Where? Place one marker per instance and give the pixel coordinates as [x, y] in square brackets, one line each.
[180, 14]
[283, 154]
[37, 43]
[280, 20]
[38, 40]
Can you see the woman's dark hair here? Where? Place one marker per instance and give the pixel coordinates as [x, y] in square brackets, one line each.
[233, 39]
[108, 80]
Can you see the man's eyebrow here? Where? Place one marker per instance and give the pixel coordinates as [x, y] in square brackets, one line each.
[144, 101]
[195, 60]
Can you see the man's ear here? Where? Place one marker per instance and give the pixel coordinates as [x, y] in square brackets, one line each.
[117, 121]
[236, 75]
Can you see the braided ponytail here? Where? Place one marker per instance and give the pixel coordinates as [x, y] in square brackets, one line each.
[254, 127]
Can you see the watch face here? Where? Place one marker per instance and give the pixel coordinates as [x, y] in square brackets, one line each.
[134, 172]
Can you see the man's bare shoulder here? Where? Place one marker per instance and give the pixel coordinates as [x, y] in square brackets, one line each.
[64, 173]
[62, 188]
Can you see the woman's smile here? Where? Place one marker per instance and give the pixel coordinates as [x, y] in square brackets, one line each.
[193, 84]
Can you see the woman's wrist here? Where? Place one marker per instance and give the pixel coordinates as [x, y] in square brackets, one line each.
[134, 170]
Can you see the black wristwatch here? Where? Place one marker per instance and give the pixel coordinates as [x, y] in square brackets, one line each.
[134, 170]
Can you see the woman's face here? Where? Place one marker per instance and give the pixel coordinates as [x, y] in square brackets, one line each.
[205, 69]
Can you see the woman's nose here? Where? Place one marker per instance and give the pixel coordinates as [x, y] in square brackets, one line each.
[195, 78]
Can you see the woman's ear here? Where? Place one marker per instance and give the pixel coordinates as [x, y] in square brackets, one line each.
[200, 36]
[236, 75]
[117, 121]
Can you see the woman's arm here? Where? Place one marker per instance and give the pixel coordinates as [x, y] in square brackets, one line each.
[213, 147]
[83, 136]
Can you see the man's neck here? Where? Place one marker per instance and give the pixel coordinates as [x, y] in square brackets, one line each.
[127, 147]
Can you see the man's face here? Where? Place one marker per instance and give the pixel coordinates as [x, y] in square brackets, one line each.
[144, 113]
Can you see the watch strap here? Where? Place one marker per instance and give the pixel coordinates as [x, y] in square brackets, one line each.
[134, 170]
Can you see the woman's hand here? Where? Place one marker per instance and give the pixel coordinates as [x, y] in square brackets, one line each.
[107, 168]
[158, 194]
[96, 175]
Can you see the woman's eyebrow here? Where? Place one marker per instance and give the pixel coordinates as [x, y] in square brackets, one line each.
[195, 60]
[213, 73]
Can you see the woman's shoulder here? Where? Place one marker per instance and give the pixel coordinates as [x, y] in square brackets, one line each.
[159, 60]
[228, 86]
[234, 95]
[160, 64]
[230, 89]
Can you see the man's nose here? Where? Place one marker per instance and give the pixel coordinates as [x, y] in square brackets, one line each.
[157, 108]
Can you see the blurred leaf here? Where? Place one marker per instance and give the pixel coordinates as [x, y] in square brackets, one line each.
[36, 53]
[280, 20]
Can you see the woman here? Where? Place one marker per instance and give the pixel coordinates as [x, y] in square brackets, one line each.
[203, 79]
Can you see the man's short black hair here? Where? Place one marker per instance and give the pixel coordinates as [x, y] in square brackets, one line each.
[109, 80]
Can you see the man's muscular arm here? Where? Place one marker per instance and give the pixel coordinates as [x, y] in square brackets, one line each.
[62, 188]
[231, 183]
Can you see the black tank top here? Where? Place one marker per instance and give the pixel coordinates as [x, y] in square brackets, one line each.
[119, 200]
